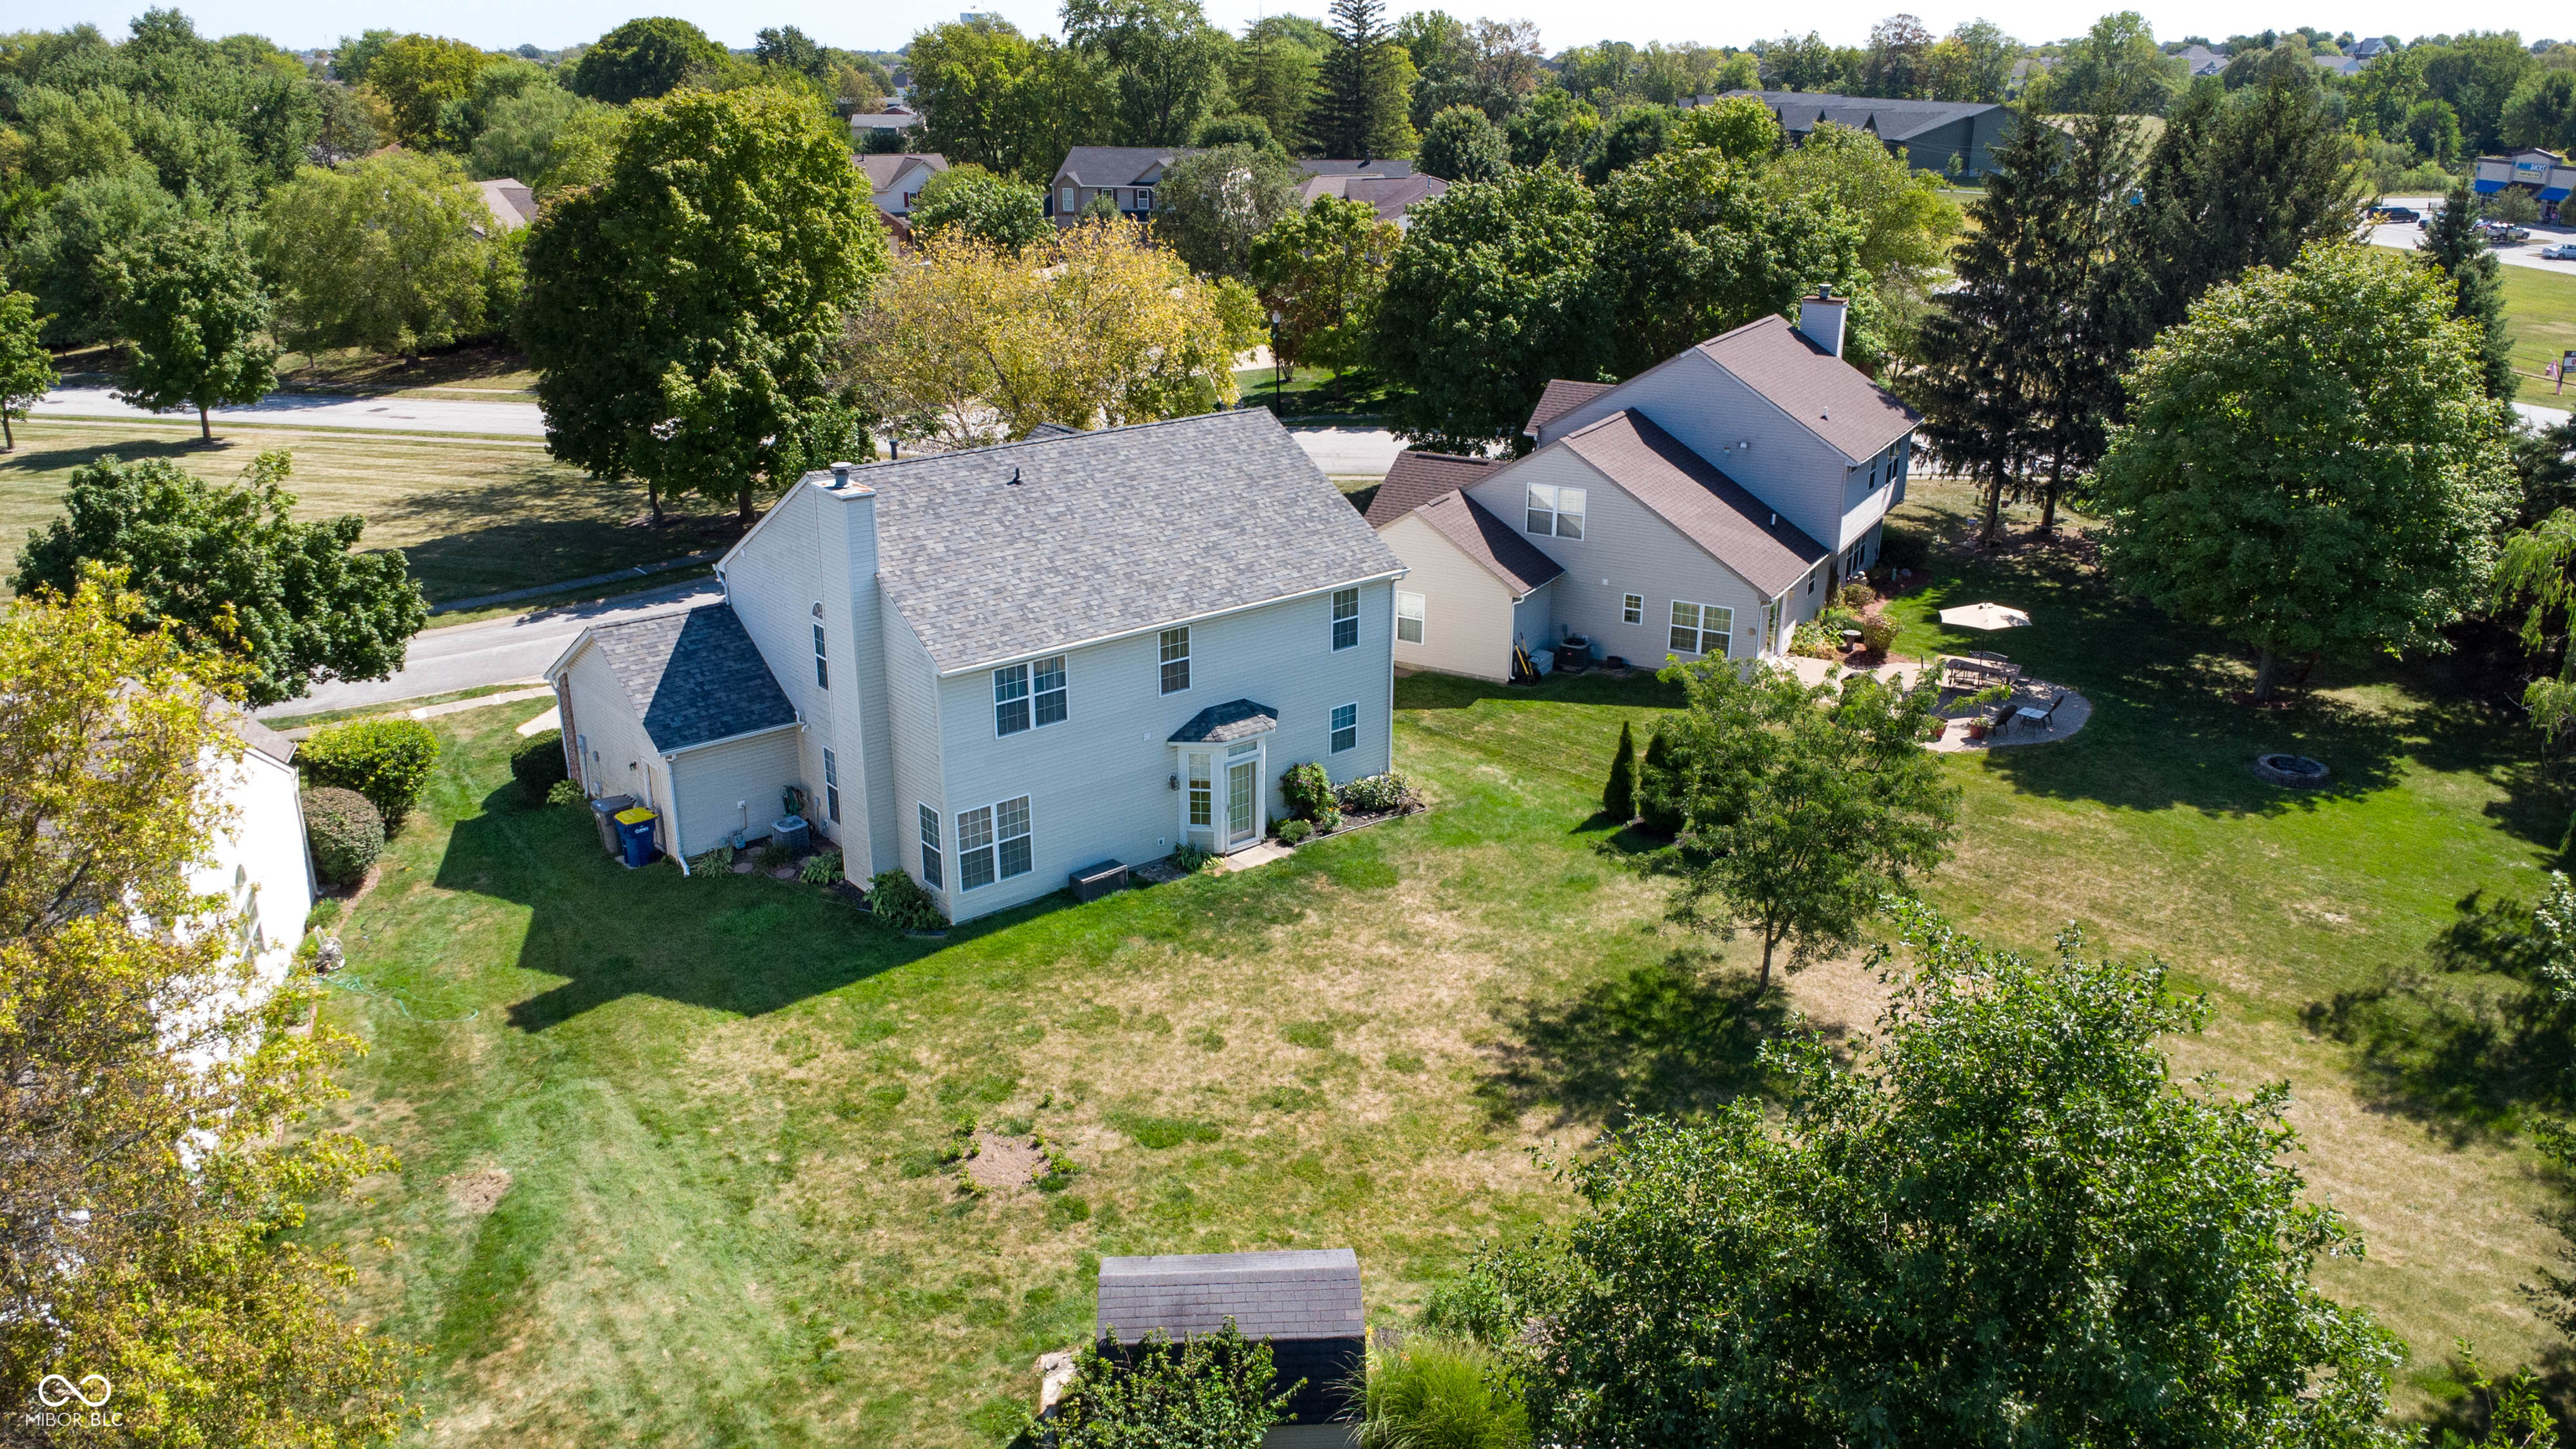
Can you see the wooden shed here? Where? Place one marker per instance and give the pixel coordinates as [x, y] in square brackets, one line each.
[1305, 1302]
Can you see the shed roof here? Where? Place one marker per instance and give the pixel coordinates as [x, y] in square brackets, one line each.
[1299, 1294]
[1831, 398]
[1108, 532]
[693, 676]
[1889, 120]
[1496, 546]
[1689, 492]
[1563, 395]
[1415, 478]
[1223, 724]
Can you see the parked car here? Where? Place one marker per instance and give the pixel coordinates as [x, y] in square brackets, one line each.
[2499, 234]
[2395, 213]
[2560, 252]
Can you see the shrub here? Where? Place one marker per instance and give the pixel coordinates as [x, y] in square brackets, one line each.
[1306, 789]
[345, 831]
[775, 854]
[1877, 632]
[1328, 819]
[822, 868]
[1378, 794]
[900, 902]
[386, 760]
[1619, 798]
[1661, 795]
[1856, 596]
[1210, 1389]
[565, 792]
[1903, 548]
[1292, 831]
[538, 763]
[712, 861]
[1432, 1389]
[1811, 641]
[1191, 859]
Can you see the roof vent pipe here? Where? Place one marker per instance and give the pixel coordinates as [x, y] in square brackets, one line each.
[1015, 477]
[1820, 319]
[840, 475]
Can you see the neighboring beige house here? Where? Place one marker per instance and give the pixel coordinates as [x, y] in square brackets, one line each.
[1703, 507]
[1489, 579]
[893, 120]
[895, 179]
[1127, 176]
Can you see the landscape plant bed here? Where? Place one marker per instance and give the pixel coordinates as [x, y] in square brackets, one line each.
[1351, 822]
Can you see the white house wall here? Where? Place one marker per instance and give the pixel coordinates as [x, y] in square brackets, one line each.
[258, 860]
[1534, 618]
[912, 704]
[1099, 783]
[1467, 612]
[773, 579]
[622, 759]
[1626, 548]
[733, 785]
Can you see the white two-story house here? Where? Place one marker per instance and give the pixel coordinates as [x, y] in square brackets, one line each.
[1707, 505]
[993, 667]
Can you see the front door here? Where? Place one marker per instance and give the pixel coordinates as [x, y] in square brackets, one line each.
[1242, 801]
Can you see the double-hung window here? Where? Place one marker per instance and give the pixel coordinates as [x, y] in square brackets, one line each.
[1701, 628]
[1144, 198]
[1176, 659]
[929, 847]
[992, 843]
[1066, 203]
[1346, 727]
[822, 670]
[1555, 511]
[1026, 695]
[1346, 618]
[1632, 608]
[832, 786]
[1408, 617]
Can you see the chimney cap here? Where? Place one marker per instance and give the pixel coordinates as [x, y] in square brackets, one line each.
[1825, 293]
[840, 474]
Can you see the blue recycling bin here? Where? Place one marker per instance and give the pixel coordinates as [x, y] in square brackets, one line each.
[635, 833]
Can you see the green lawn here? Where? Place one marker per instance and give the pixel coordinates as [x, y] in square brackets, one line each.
[2542, 306]
[473, 516]
[1315, 392]
[721, 1102]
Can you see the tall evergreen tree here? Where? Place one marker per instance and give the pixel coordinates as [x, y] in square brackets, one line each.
[2451, 239]
[2235, 181]
[1367, 86]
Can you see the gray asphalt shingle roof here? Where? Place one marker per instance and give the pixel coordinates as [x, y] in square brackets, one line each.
[1496, 546]
[1889, 120]
[1223, 724]
[1300, 1294]
[693, 676]
[1107, 533]
[1828, 396]
[1689, 492]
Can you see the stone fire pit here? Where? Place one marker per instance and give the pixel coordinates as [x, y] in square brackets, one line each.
[2296, 771]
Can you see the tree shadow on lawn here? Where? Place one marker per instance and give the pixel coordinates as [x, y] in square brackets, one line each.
[1675, 1037]
[127, 449]
[1641, 689]
[745, 944]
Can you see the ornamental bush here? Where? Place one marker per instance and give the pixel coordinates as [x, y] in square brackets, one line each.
[1306, 789]
[538, 763]
[345, 832]
[1877, 633]
[1378, 794]
[1293, 831]
[900, 902]
[386, 760]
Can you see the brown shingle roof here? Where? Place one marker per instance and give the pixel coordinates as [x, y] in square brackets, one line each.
[1562, 397]
[1687, 491]
[1831, 398]
[1414, 479]
[1492, 543]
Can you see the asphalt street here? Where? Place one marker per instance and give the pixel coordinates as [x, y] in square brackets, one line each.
[2405, 235]
[496, 651]
[281, 409]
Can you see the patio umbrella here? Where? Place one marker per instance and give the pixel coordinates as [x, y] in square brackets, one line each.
[1985, 616]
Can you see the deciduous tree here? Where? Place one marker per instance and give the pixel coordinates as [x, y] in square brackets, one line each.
[1462, 144]
[1094, 328]
[2116, 69]
[26, 369]
[195, 319]
[1009, 214]
[642, 59]
[383, 253]
[233, 572]
[1165, 64]
[2003, 1210]
[1496, 290]
[1320, 272]
[1739, 128]
[420, 75]
[1906, 224]
[2313, 464]
[682, 315]
[1806, 806]
[1211, 206]
[156, 1135]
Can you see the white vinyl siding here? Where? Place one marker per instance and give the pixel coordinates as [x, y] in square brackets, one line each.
[1100, 785]
[730, 786]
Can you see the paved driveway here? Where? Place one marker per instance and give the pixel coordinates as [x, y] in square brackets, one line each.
[2406, 234]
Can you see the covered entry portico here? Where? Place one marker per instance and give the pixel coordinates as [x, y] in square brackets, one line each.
[1223, 775]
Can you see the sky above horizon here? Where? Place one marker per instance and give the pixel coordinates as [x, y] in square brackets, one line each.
[503, 24]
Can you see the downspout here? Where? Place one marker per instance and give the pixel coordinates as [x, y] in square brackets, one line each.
[671, 811]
